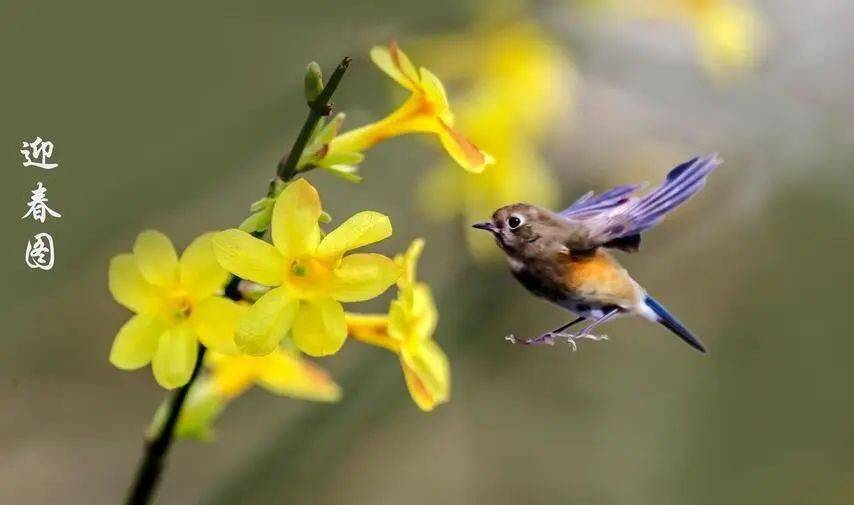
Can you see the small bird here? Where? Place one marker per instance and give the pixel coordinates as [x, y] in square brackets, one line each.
[562, 256]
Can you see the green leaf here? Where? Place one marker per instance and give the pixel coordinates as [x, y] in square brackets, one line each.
[346, 172]
[330, 130]
[258, 221]
[261, 204]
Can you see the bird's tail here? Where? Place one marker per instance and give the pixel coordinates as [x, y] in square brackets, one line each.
[661, 316]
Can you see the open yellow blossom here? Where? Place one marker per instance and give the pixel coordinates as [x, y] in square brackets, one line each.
[177, 304]
[310, 277]
[426, 111]
[407, 331]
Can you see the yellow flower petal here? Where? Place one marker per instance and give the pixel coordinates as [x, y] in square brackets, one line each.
[435, 94]
[409, 262]
[248, 257]
[201, 275]
[462, 150]
[371, 329]
[128, 286]
[421, 314]
[288, 374]
[175, 357]
[319, 328]
[396, 65]
[427, 374]
[294, 227]
[136, 342]
[232, 375]
[360, 277]
[157, 259]
[360, 230]
[214, 320]
[266, 323]
[399, 315]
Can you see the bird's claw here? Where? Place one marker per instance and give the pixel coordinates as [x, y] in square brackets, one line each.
[545, 338]
[549, 338]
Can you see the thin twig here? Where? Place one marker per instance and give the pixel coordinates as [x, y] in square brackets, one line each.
[150, 469]
[318, 108]
[156, 449]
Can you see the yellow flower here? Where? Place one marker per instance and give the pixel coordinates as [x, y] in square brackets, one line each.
[407, 331]
[282, 372]
[176, 304]
[426, 111]
[309, 276]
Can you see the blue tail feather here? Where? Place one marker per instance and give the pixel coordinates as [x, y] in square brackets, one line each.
[671, 323]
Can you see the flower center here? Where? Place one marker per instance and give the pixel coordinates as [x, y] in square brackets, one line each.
[178, 305]
[308, 276]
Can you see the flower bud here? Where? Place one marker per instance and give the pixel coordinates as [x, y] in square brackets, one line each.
[313, 81]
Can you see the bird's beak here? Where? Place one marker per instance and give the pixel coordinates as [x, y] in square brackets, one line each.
[486, 225]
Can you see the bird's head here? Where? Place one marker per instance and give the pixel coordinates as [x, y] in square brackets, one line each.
[524, 230]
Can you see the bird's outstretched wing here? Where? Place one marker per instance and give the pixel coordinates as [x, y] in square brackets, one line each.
[616, 218]
[591, 203]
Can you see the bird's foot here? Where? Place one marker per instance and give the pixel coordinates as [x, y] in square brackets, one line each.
[550, 338]
[544, 339]
[572, 339]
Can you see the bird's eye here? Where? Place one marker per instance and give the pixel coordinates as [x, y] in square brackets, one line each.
[514, 222]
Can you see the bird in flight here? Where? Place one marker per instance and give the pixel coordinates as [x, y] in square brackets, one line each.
[563, 257]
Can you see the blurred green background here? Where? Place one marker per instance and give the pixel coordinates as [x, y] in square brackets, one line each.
[172, 115]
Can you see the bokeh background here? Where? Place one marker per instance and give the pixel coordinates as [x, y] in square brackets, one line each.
[171, 115]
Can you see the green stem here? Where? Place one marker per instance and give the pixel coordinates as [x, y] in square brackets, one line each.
[153, 459]
[151, 467]
[318, 108]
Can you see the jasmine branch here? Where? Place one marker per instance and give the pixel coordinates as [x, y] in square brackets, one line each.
[318, 108]
[153, 460]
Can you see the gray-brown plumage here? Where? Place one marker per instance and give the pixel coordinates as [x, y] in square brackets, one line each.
[562, 256]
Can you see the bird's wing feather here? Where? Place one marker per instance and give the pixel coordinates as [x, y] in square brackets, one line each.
[620, 216]
[590, 203]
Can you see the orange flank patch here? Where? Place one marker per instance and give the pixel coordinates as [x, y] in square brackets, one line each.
[599, 277]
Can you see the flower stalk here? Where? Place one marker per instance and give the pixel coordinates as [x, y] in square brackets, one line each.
[156, 449]
[151, 467]
[318, 108]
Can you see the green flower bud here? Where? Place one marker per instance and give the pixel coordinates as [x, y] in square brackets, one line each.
[313, 81]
